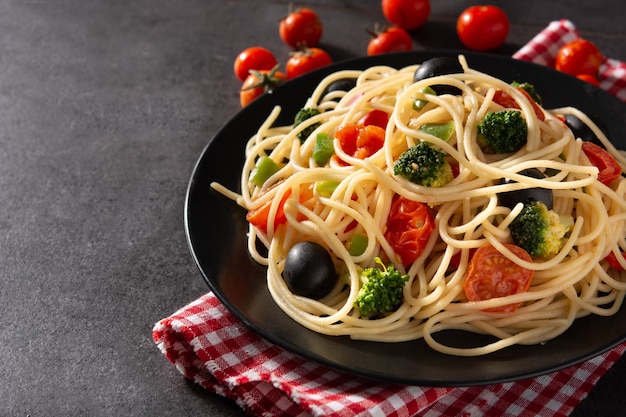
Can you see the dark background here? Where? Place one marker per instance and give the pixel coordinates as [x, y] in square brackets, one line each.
[104, 108]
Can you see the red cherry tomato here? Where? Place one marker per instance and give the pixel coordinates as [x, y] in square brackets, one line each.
[506, 101]
[360, 141]
[253, 58]
[604, 161]
[258, 83]
[259, 217]
[406, 14]
[301, 27]
[491, 275]
[482, 28]
[375, 117]
[409, 226]
[579, 57]
[591, 79]
[306, 60]
[393, 39]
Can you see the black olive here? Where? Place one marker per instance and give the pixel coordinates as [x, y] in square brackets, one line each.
[439, 66]
[580, 129]
[342, 84]
[309, 270]
[511, 198]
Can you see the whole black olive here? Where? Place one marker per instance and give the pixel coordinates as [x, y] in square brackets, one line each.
[511, 198]
[439, 66]
[581, 130]
[342, 84]
[309, 270]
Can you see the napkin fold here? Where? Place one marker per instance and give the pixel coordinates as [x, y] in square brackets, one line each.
[543, 48]
[211, 347]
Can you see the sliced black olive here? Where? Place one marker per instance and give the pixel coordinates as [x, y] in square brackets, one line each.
[439, 66]
[309, 270]
[511, 198]
[342, 84]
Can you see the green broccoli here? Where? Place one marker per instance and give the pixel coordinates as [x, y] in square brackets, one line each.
[424, 165]
[381, 291]
[503, 131]
[540, 231]
[530, 89]
[302, 115]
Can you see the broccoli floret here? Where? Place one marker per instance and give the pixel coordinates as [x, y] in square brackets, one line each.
[530, 89]
[302, 115]
[538, 230]
[503, 131]
[381, 291]
[424, 165]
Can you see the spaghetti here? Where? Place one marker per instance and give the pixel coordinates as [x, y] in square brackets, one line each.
[575, 282]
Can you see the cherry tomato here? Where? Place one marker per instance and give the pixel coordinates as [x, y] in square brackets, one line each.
[482, 28]
[509, 102]
[604, 161]
[375, 117]
[301, 27]
[306, 60]
[406, 14]
[591, 79]
[579, 57]
[409, 226]
[253, 58]
[258, 83]
[393, 39]
[491, 275]
[360, 141]
[613, 262]
[259, 217]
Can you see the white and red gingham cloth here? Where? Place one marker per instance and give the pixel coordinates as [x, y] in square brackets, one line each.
[543, 48]
[208, 345]
[211, 347]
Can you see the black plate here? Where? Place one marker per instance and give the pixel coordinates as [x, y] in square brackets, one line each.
[216, 231]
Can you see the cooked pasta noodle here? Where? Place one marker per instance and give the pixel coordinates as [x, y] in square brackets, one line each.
[573, 283]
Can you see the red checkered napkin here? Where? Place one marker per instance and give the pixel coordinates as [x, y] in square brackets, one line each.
[543, 48]
[210, 346]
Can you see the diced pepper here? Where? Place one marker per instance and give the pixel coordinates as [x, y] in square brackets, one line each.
[442, 131]
[357, 244]
[323, 149]
[265, 167]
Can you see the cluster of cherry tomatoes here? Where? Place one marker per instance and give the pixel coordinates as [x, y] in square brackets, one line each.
[479, 28]
[258, 68]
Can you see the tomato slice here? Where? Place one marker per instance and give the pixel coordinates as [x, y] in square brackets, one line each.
[604, 161]
[507, 101]
[409, 226]
[360, 141]
[259, 217]
[492, 275]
